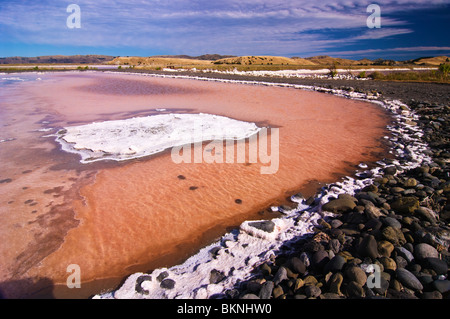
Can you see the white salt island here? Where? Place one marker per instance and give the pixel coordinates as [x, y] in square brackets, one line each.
[142, 136]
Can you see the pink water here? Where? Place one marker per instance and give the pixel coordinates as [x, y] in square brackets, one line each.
[116, 218]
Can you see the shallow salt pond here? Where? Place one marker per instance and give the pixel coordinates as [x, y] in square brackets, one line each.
[114, 218]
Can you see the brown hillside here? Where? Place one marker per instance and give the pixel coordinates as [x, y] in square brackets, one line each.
[264, 60]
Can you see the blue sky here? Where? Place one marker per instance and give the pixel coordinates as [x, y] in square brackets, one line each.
[409, 29]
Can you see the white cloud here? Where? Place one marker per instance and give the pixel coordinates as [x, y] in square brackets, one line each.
[196, 26]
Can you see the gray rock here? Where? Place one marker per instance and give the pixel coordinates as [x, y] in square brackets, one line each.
[389, 221]
[266, 225]
[162, 276]
[442, 285]
[266, 290]
[319, 259]
[382, 288]
[336, 223]
[297, 265]
[390, 170]
[405, 253]
[335, 245]
[216, 276]
[312, 291]
[139, 281]
[438, 265]
[407, 279]
[280, 275]
[422, 251]
[335, 264]
[167, 284]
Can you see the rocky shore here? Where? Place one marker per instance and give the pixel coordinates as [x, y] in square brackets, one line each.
[388, 239]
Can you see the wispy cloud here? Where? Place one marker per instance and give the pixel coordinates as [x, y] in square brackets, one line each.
[195, 27]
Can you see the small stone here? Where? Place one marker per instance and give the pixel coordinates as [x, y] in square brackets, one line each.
[266, 225]
[249, 296]
[422, 251]
[280, 275]
[336, 282]
[355, 290]
[394, 235]
[277, 292]
[383, 287]
[310, 280]
[335, 245]
[162, 276]
[438, 265]
[299, 283]
[368, 247]
[385, 248]
[312, 291]
[410, 182]
[167, 284]
[265, 269]
[405, 205]
[400, 261]
[297, 265]
[356, 274]
[139, 281]
[390, 170]
[339, 205]
[216, 276]
[319, 259]
[335, 264]
[389, 221]
[266, 290]
[427, 214]
[373, 212]
[408, 279]
[388, 263]
[336, 223]
[405, 253]
[442, 285]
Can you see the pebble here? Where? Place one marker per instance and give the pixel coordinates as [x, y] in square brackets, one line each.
[312, 291]
[422, 251]
[407, 279]
[356, 274]
[368, 247]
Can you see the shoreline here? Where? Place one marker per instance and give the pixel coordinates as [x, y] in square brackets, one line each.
[127, 295]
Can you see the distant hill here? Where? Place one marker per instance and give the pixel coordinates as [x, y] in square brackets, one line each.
[155, 61]
[263, 60]
[58, 59]
[327, 60]
[209, 57]
[430, 60]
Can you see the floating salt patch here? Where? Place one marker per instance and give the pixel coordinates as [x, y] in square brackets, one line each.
[142, 136]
